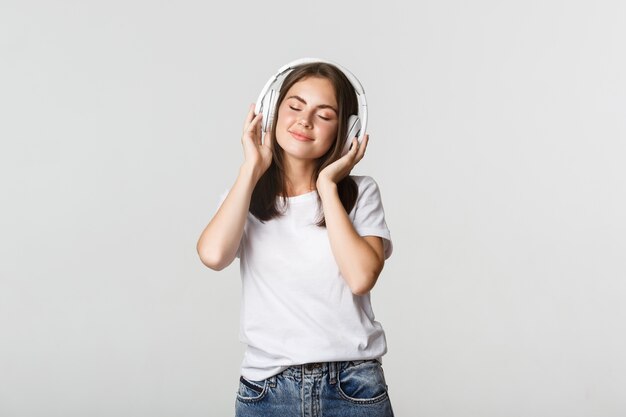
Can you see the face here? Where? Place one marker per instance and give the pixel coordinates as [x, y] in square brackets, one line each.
[307, 119]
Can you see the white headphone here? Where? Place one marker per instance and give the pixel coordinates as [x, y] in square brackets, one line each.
[266, 102]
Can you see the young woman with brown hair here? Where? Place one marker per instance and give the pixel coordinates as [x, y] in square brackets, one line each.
[312, 240]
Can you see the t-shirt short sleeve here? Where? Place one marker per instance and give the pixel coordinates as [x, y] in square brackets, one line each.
[221, 200]
[368, 215]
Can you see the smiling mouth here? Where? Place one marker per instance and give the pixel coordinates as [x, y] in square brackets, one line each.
[300, 137]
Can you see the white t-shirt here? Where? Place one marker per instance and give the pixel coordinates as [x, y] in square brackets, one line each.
[296, 307]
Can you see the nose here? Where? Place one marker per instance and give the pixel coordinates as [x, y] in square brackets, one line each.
[304, 121]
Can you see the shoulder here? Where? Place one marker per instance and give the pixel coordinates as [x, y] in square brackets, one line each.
[365, 183]
[363, 180]
[368, 194]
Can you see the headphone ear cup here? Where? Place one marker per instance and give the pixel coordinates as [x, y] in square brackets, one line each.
[354, 128]
[269, 104]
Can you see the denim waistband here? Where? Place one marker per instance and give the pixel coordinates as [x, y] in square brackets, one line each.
[321, 369]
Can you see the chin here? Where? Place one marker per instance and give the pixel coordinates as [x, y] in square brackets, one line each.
[300, 155]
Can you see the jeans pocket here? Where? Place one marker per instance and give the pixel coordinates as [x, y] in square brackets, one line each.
[251, 391]
[363, 382]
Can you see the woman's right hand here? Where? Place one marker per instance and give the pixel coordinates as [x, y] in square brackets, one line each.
[258, 156]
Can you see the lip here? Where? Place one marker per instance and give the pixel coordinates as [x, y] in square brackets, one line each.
[301, 138]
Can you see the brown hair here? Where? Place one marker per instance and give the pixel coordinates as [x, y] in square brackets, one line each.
[264, 204]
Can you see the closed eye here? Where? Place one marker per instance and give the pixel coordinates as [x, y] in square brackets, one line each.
[321, 117]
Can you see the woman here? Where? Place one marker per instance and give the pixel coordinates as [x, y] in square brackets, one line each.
[312, 241]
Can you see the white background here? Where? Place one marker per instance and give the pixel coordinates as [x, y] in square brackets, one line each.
[497, 139]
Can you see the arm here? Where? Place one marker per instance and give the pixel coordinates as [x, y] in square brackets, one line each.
[219, 241]
[360, 259]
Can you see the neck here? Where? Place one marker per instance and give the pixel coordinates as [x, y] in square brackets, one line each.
[299, 175]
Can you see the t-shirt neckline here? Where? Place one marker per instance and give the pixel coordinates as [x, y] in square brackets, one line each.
[302, 197]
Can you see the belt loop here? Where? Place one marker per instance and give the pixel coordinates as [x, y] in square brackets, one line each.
[333, 372]
[272, 381]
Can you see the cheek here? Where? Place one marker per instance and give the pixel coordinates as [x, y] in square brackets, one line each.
[330, 132]
[329, 138]
[285, 119]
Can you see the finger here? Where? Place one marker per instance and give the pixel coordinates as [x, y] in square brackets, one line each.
[252, 132]
[355, 147]
[363, 146]
[254, 123]
[249, 116]
[268, 139]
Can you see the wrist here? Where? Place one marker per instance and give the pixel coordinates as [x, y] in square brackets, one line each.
[250, 173]
[325, 187]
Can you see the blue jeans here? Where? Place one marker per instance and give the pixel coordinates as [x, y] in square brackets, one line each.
[325, 389]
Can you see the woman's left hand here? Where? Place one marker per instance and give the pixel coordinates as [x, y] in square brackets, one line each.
[339, 169]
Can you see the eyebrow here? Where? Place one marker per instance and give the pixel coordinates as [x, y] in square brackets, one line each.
[321, 106]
